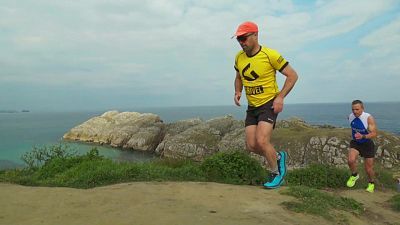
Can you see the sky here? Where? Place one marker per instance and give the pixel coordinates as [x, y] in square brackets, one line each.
[101, 55]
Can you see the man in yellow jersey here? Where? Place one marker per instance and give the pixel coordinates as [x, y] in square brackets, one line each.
[256, 68]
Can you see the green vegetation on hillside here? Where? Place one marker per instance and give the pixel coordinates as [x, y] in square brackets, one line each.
[59, 166]
[56, 166]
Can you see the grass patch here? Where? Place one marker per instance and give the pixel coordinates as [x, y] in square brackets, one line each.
[395, 202]
[324, 176]
[313, 201]
[318, 176]
[383, 177]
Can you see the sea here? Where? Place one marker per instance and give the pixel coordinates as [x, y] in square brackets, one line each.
[20, 132]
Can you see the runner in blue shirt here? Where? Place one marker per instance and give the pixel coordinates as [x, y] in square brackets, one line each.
[363, 128]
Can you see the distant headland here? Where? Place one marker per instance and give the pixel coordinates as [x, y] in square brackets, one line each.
[13, 111]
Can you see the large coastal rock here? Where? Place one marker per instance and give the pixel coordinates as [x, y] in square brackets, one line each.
[130, 130]
[196, 139]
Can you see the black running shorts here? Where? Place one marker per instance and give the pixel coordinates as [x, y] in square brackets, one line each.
[366, 149]
[262, 113]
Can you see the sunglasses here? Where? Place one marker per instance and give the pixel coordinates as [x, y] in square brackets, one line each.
[243, 38]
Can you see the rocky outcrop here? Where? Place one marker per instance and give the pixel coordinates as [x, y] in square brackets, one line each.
[129, 130]
[327, 144]
[196, 139]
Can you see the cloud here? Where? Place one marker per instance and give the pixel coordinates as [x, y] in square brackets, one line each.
[181, 46]
[385, 40]
[300, 28]
[358, 64]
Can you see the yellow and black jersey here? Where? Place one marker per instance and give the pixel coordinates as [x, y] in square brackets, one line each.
[258, 74]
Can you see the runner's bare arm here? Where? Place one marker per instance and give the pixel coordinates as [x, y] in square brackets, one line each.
[291, 78]
[371, 128]
[238, 89]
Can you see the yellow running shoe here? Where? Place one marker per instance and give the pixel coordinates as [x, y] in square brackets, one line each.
[370, 188]
[352, 180]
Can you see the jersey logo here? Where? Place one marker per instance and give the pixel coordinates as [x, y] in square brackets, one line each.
[253, 73]
[254, 90]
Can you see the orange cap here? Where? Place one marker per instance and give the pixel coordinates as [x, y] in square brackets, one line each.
[246, 27]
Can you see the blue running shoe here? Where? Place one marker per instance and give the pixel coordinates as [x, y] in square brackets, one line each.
[274, 181]
[282, 155]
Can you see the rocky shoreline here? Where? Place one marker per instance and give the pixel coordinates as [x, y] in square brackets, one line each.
[196, 139]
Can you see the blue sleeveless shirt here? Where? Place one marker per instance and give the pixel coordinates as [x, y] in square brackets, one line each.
[360, 125]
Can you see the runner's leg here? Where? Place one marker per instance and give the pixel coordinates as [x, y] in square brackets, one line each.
[369, 168]
[263, 137]
[352, 160]
[251, 143]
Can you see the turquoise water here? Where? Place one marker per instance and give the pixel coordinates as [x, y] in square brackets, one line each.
[19, 132]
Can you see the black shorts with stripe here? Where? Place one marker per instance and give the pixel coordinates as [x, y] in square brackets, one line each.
[261, 113]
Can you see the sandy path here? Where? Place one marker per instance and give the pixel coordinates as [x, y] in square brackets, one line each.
[158, 203]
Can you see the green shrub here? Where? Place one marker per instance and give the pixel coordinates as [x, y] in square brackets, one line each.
[2, 175]
[45, 164]
[395, 202]
[233, 167]
[39, 156]
[318, 176]
[56, 165]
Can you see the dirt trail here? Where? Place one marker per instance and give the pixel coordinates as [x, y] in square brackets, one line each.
[169, 203]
